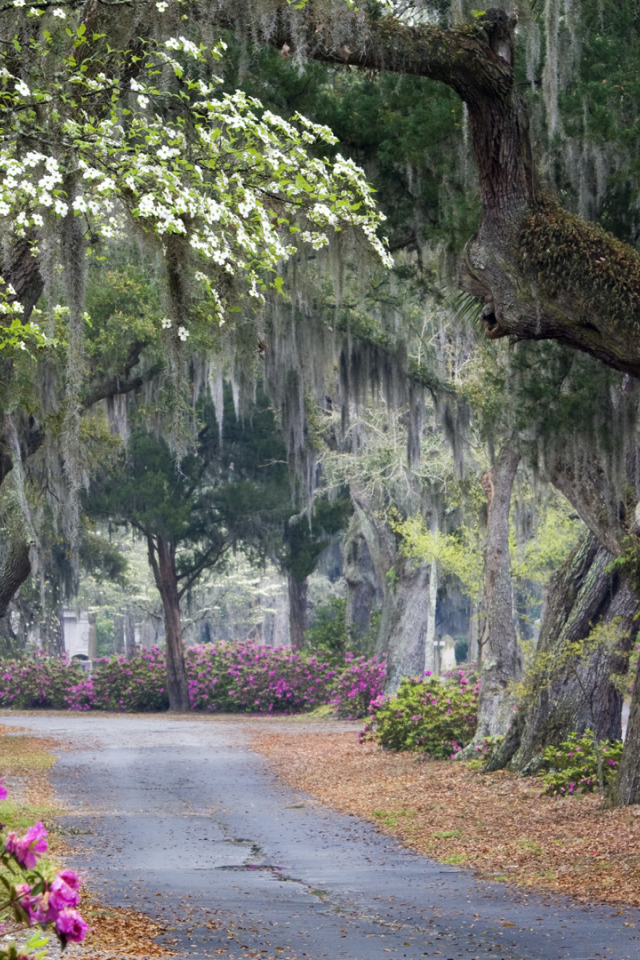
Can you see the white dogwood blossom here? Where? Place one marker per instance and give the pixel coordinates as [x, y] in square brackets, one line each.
[240, 185]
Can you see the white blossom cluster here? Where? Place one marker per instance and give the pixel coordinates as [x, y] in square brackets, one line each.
[239, 183]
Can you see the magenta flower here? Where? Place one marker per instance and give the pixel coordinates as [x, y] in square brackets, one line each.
[3, 791]
[71, 926]
[23, 891]
[61, 894]
[29, 848]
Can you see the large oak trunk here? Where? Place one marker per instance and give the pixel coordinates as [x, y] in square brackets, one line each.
[585, 592]
[404, 624]
[502, 663]
[163, 563]
[405, 600]
[360, 576]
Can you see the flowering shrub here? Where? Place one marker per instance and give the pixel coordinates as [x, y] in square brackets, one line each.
[135, 686]
[41, 682]
[436, 716]
[358, 684]
[225, 677]
[34, 898]
[572, 768]
[250, 678]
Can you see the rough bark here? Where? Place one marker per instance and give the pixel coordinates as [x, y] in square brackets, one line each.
[403, 624]
[15, 570]
[360, 576]
[583, 593]
[502, 665]
[627, 787]
[298, 610]
[162, 558]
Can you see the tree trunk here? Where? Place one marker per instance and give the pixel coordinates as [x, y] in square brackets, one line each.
[404, 627]
[162, 558]
[432, 610]
[129, 636]
[627, 787]
[360, 575]
[580, 595]
[502, 666]
[15, 570]
[298, 610]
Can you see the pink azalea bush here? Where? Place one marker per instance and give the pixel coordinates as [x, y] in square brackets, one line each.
[251, 678]
[225, 677]
[34, 898]
[436, 716]
[357, 685]
[38, 682]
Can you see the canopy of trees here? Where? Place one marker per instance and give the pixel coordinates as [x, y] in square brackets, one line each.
[398, 241]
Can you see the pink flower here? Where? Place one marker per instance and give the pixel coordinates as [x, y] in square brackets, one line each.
[22, 895]
[29, 848]
[11, 846]
[62, 894]
[3, 791]
[71, 926]
[71, 878]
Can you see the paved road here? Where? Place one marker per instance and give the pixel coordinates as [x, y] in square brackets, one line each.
[178, 818]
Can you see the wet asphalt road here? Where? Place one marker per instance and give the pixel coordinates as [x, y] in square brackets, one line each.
[179, 819]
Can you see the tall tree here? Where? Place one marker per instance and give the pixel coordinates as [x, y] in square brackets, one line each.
[232, 491]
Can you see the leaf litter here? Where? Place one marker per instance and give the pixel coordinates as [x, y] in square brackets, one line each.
[493, 823]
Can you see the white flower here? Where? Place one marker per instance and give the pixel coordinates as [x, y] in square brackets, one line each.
[166, 323]
[59, 12]
[61, 208]
[183, 333]
[22, 88]
[143, 101]
[22, 345]
[19, 3]
[162, 6]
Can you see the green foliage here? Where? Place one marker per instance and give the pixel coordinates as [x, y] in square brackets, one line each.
[458, 554]
[304, 541]
[572, 768]
[554, 539]
[228, 492]
[436, 717]
[329, 637]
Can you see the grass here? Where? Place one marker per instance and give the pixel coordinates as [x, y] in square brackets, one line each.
[24, 764]
[390, 817]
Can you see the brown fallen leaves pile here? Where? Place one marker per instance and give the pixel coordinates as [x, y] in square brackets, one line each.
[493, 823]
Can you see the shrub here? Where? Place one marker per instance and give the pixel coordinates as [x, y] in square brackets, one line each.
[225, 677]
[572, 768]
[135, 686]
[250, 678]
[41, 682]
[435, 716]
[357, 686]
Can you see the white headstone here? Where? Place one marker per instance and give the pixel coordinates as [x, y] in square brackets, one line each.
[447, 654]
